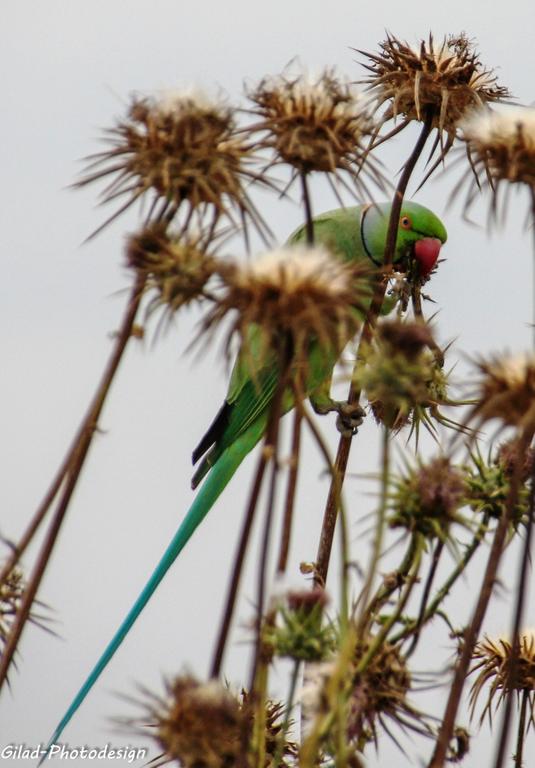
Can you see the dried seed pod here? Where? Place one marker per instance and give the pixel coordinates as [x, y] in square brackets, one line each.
[501, 150]
[442, 80]
[177, 267]
[300, 294]
[181, 150]
[493, 664]
[318, 125]
[428, 498]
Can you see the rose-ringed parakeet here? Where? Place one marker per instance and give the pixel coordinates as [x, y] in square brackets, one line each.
[352, 234]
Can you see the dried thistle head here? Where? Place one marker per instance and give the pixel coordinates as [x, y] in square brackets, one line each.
[506, 391]
[493, 664]
[428, 498]
[488, 482]
[379, 694]
[177, 268]
[501, 150]
[11, 593]
[318, 124]
[201, 725]
[294, 294]
[183, 151]
[402, 380]
[440, 82]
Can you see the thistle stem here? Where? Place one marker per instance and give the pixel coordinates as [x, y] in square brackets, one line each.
[290, 495]
[521, 592]
[471, 634]
[72, 467]
[427, 589]
[344, 445]
[521, 729]
[309, 223]
[238, 567]
[380, 526]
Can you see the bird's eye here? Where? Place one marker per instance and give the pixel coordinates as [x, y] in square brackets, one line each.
[405, 222]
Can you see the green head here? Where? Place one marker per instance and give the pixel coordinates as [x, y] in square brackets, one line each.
[420, 234]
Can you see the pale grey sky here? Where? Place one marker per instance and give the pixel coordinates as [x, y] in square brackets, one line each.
[68, 71]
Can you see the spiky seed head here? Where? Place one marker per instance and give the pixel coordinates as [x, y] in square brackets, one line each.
[182, 149]
[296, 294]
[506, 391]
[379, 693]
[501, 149]
[488, 483]
[299, 631]
[402, 380]
[11, 593]
[493, 664]
[312, 124]
[177, 268]
[509, 455]
[445, 79]
[199, 724]
[428, 498]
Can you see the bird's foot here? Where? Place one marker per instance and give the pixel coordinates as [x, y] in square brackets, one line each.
[350, 415]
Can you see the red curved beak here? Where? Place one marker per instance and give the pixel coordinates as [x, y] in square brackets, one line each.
[426, 252]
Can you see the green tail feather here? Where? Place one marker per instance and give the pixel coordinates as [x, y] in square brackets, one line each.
[220, 475]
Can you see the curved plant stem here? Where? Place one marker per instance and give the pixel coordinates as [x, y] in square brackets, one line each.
[344, 446]
[309, 223]
[380, 527]
[72, 465]
[442, 593]
[427, 589]
[472, 632]
[238, 567]
[521, 735]
[521, 591]
[290, 494]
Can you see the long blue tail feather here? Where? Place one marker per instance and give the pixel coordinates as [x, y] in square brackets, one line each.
[219, 476]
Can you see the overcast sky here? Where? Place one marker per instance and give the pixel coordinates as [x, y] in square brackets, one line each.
[68, 69]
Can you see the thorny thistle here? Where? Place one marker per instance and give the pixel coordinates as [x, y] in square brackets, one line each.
[316, 125]
[298, 632]
[185, 151]
[506, 391]
[201, 725]
[443, 81]
[11, 592]
[177, 268]
[493, 664]
[501, 150]
[402, 380]
[427, 499]
[379, 695]
[296, 294]
[488, 482]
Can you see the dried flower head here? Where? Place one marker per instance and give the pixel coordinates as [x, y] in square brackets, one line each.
[428, 498]
[438, 82]
[493, 663]
[501, 150]
[506, 391]
[488, 483]
[379, 694]
[315, 125]
[184, 150]
[402, 380]
[11, 592]
[294, 294]
[201, 725]
[176, 267]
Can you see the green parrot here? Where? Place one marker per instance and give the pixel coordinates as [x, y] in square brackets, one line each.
[352, 234]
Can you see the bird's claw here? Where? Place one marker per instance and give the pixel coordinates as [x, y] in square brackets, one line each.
[350, 417]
